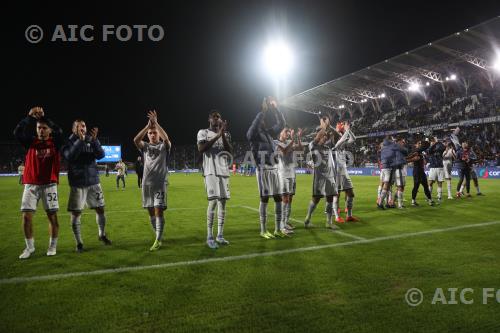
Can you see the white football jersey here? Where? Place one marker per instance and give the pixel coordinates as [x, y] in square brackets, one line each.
[216, 159]
[155, 163]
[324, 163]
[286, 164]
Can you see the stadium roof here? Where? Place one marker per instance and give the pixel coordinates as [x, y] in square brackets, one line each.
[409, 75]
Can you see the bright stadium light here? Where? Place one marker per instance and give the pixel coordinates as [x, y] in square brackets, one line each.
[382, 95]
[453, 77]
[496, 64]
[427, 84]
[278, 58]
[413, 87]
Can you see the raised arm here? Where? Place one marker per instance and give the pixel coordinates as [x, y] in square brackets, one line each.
[98, 151]
[25, 131]
[352, 137]
[153, 118]
[299, 146]
[226, 139]
[138, 138]
[342, 141]
[72, 149]
[280, 122]
[253, 130]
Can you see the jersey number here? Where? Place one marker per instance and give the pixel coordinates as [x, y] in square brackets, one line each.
[99, 196]
[160, 195]
[52, 196]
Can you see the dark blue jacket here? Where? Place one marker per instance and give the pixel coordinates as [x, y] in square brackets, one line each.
[261, 139]
[435, 155]
[392, 155]
[81, 157]
[462, 157]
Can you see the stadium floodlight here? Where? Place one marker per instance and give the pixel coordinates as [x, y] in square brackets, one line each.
[453, 77]
[382, 95]
[496, 64]
[413, 87]
[447, 79]
[427, 83]
[278, 58]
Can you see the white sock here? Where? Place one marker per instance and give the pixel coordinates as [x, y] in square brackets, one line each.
[53, 242]
[430, 189]
[477, 189]
[263, 216]
[210, 218]
[379, 191]
[336, 206]
[289, 212]
[221, 216]
[30, 243]
[400, 198]
[349, 204]
[310, 210]
[440, 192]
[462, 188]
[448, 182]
[389, 197]
[160, 223]
[101, 223]
[76, 226]
[285, 214]
[277, 215]
[383, 194]
[329, 212]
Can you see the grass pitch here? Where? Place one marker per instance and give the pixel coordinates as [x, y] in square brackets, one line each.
[352, 286]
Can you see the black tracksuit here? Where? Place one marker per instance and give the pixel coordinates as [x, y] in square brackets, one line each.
[419, 176]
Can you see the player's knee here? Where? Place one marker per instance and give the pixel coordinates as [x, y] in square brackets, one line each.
[277, 198]
[264, 199]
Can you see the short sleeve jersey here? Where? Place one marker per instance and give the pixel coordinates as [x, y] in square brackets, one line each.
[216, 159]
[155, 163]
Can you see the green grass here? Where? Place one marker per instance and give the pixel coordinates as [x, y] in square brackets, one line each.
[355, 288]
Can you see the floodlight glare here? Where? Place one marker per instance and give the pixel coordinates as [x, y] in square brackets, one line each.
[413, 87]
[427, 84]
[278, 58]
[453, 77]
[496, 64]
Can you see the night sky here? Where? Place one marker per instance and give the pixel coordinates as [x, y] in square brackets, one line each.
[210, 57]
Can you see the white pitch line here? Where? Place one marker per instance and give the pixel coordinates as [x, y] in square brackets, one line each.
[236, 258]
[298, 221]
